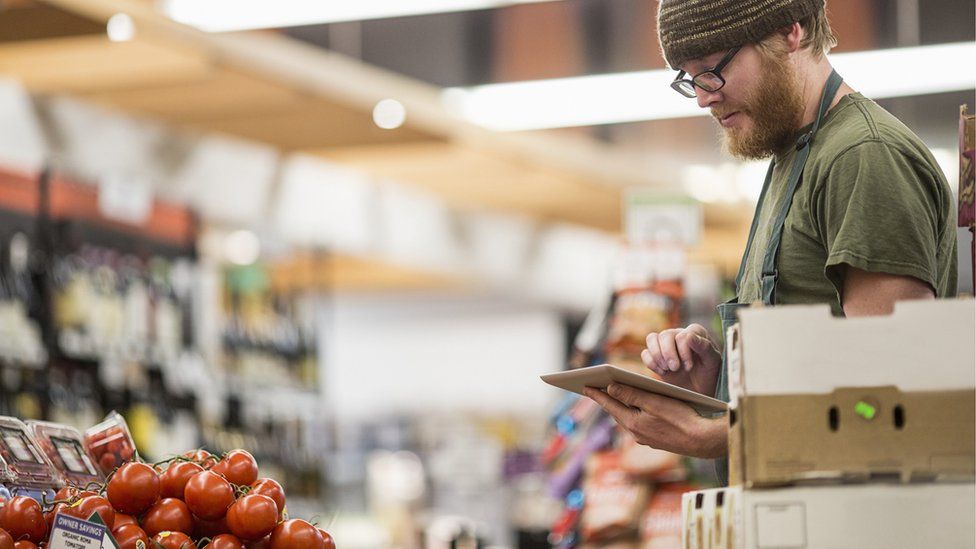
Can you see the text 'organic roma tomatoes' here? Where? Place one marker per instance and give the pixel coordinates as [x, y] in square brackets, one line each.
[133, 488]
[208, 495]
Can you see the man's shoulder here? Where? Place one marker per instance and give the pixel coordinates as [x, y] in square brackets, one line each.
[861, 126]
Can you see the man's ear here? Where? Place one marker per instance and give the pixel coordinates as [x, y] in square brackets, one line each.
[793, 35]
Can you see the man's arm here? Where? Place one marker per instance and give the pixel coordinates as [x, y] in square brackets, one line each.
[867, 293]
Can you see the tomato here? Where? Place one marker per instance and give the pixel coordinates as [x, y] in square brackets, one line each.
[133, 488]
[263, 543]
[168, 514]
[122, 518]
[252, 517]
[239, 467]
[271, 488]
[296, 534]
[208, 495]
[49, 516]
[173, 480]
[6, 542]
[209, 528]
[225, 541]
[24, 544]
[129, 535]
[86, 507]
[202, 457]
[174, 540]
[329, 540]
[22, 517]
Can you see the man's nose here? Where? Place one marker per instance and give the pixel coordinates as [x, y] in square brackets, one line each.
[707, 98]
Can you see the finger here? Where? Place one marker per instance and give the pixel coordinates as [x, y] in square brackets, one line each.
[683, 343]
[620, 412]
[644, 401]
[654, 352]
[648, 361]
[669, 351]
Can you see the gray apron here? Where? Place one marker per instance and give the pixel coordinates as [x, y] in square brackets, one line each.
[728, 311]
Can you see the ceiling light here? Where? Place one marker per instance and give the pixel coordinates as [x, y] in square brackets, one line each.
[228, 15]
[120, 28]
[646, 95]
[389, 114]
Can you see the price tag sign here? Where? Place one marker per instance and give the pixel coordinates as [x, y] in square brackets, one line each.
[74, 533]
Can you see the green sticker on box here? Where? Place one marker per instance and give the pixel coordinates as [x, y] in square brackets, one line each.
[865, 410]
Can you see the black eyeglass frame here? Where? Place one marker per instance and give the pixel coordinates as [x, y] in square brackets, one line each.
[693, 82]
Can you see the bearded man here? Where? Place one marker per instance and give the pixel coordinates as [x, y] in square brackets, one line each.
[854, 213]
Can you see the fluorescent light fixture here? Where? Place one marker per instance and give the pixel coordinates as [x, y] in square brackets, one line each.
[233, 15]
[646, 95]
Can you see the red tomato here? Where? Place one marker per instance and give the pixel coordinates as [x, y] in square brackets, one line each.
[86, 507]
[49, 516]
[239, 467]
[202, 457]
[168, 515]
[329, 540]
[173, 480]
[271, 488]
[296, 534]
[24, 544]
[107, 462]
[252, 517]
[129, 535]
[133, 488]
[174, 540]
[263, 543]
[6, 542]
[122, 518]
[225, 541]
[208, 495]
[209, 528]
[22, 517]
[66, 493]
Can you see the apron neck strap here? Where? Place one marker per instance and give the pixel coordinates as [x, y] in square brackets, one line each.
[769, 274]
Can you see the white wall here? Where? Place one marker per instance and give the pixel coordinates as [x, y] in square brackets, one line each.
[424, 354]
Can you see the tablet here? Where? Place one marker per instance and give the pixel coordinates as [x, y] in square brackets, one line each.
[601, 376]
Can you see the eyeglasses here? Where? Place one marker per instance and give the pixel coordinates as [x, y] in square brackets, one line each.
[709, 80]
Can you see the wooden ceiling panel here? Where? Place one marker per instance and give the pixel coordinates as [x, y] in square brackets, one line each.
[90, 64]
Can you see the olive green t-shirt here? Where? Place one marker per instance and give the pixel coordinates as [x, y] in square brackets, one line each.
[871, 197]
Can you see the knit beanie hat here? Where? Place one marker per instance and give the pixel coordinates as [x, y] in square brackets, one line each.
[690, 29]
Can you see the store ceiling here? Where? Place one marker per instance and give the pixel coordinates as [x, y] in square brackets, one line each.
[287, 91]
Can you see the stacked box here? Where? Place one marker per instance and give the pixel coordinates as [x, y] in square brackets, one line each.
[825, 411]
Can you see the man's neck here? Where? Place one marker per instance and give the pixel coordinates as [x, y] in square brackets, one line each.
[814, 75]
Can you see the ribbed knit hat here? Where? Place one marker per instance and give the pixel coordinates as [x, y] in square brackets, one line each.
[690, 29]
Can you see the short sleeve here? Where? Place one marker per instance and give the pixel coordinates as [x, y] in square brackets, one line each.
[877, 210]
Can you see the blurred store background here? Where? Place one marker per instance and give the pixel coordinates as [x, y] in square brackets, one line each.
[351, 236]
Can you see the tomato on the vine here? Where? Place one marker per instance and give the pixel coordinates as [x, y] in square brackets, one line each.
[129, 535]
[174, 540]
[173, 479]
[270, 487]
[22, 517]
[6, 542]
[239, 467]
[133, 488]
[225, 541]
[252, 517]
[208, 495]
[122, 519]
[201, 457]
[85, 507]
[25, 544]
[329, 540]
[296, 534]
[168, 514]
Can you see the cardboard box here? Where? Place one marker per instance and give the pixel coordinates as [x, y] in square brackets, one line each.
[818, 398]
[863, 516]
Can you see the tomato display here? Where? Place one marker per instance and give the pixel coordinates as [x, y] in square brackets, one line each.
[208, 495]
[173, 479]
[133, 488]
[271, 488]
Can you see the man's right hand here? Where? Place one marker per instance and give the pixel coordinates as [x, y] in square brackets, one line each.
[684, 357]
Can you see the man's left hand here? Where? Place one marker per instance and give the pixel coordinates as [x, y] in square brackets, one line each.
[662, 422]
